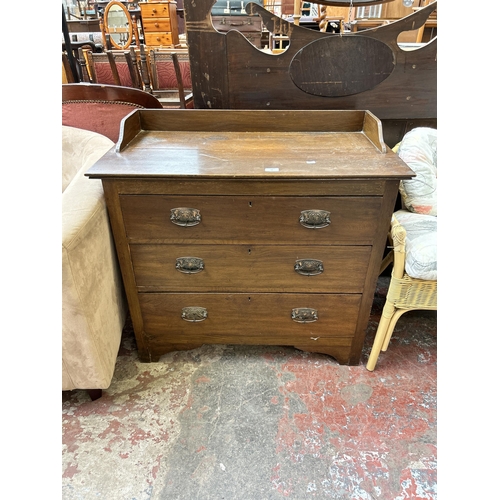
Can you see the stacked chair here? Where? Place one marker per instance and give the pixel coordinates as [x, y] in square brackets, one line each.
[115, 67]
[165, 73]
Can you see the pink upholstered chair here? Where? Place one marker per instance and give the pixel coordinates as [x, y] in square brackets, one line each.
[163, 71]
[115, 67]
[171, 77]
[100, 108]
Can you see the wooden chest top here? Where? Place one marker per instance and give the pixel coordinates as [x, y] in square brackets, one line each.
[256, 144]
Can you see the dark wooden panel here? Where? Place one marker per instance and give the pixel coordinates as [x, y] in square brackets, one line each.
[258, 80]
[210, 88]
[330, 66]
[395, 130]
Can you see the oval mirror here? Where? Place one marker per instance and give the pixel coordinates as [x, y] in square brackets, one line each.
[118, 25]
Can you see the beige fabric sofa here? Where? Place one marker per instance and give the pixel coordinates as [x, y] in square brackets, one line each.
[93, 301]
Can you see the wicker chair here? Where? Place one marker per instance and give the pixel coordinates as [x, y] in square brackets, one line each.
[413, 236]
[404, 294]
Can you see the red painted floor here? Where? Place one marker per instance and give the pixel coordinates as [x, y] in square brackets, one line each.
[240, 422]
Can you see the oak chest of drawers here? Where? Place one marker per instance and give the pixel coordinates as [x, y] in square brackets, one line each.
[250, 227]
[159, 24]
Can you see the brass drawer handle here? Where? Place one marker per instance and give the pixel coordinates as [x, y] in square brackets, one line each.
[304, 315]
[189, 265]
[194, 314]
[315, 219]
[309, 267]
[186, 217]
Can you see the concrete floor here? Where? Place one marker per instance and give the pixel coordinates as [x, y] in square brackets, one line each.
[244, 423]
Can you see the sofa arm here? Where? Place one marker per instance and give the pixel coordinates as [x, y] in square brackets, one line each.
[80, 148]
[94, 306]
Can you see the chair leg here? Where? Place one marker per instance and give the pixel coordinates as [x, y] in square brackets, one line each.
[144, 69]
[114, 69]
[380, 336]
[178, 76]
[83, 66]
[397, 314]
[131, 59]
[68, 72]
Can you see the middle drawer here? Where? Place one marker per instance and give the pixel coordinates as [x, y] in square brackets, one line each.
[262, 268]
[154, 25]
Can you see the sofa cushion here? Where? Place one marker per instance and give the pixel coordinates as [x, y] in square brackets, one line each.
[421, 244]
[419, 151]
[80, 149]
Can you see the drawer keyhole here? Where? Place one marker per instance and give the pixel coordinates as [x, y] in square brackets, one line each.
[250, 204]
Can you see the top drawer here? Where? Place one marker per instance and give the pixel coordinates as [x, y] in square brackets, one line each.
[155, 10]
[279, 219]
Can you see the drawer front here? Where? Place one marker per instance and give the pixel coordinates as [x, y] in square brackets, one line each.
[251, 219]
[249, 318]
[254, 268]
[153, 39]
[154, 25]
[155, 10]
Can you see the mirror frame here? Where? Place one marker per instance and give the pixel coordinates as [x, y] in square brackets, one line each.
[109, 32]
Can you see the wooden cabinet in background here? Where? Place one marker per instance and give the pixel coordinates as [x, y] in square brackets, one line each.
[159, 24]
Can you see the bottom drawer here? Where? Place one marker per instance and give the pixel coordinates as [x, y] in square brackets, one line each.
[155, 39]
[248, 318]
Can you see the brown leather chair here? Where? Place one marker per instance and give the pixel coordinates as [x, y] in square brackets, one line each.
[101, 108]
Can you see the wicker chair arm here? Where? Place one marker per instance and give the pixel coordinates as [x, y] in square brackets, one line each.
[398, 236]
